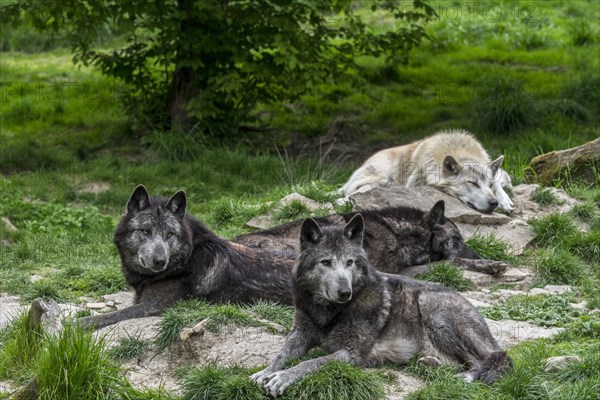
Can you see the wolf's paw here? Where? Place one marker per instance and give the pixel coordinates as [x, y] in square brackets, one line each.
[496, 267]
[430, 361]
[260, 377]
[277, 383]
[505, 203]
[468, 376]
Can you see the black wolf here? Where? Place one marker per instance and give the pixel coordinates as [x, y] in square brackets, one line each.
[395, 240]
[366, 317]
[168, 255]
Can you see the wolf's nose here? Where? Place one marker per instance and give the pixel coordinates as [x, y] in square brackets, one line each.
[158, 261]
[493, 203]
[344, 294]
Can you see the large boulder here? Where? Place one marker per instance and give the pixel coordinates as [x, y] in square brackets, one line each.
[578, 162]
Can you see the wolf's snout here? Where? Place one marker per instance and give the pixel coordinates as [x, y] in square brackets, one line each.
[158, 261]
[344, 295]
[493, 203]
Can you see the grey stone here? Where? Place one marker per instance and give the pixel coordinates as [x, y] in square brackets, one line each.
[558, 289]
[560, 362]
[120, 299]
[535, 291]
[579, 306]
[423, 198]
[10, 227]
[509, 333]
[526, 208]
[96, 306]
[511, 275]
[267, 220]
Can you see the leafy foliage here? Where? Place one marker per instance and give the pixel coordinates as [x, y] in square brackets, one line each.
[214, 60]
[545, 310]
[448, 275]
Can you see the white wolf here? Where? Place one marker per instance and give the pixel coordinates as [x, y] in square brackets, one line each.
[451, 161]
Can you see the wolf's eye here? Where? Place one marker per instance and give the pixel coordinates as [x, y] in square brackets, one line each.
[146, 231]
[326, 263]
[349, 262]
[169, 234]
[474, 183]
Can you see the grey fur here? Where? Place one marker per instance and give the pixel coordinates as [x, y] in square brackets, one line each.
[389, 318]
[397, 240]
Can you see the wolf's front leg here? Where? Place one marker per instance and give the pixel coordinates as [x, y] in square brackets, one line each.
[279, 381]
[296, 345]
[504, 202]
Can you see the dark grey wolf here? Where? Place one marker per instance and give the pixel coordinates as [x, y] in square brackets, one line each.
[397, 240]
[168, 255]
[451, 161]
[366, 317]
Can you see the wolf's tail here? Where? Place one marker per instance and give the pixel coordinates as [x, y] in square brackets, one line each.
[494, 366]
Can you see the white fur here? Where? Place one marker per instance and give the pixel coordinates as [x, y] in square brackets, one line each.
[421, 163]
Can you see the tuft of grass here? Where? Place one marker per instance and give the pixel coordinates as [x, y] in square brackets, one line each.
[544, 197]
[128, 348]
[75, 366]
[282, 315]
[556, 266]
[188, 312]
[504, 104]
[448, 275]
[491, 248]
[586, 327]
[335, 381]
[553, 229]
[586, 212]
[20, 347]
[588, 367]
[295, 209]
[544, 310]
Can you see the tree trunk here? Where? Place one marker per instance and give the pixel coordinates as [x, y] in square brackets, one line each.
[183, 85]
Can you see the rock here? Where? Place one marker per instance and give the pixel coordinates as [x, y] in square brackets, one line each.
[526, 208]
[560, 362]
[578, 161]
[558, 289]
[509, 333]
[95, 187]
[5, 387]
[95, 306]
[511, 275]
[120, 299]
[516, 233]
[35, 278]
[267, 220]
[536, 291]
[196, 329]
[423, 198]
[8, 225]
[508, 293]
[579, 306]
[110, 303]
[477, 303]
[45, 314]
[405, 384]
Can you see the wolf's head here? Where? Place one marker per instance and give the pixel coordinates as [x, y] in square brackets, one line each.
[153, 233]
[332, 264]
[447, 242]
[471, 182]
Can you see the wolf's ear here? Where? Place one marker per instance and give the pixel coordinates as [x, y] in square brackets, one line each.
[139, 200]
[176, 204]
[495, 165]
[354, 229]
[310, 233]
[436, 214]
[451, 166]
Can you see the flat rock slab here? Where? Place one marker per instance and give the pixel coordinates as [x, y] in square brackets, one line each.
[405, 384]
[509, 333]
[516, 233]
[526, 208]
[512, 275]
[120, 299]
[423, 198]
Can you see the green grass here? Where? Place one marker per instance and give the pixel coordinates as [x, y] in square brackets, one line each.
[335, 381]
[545, 310]
[189, 312]
[448, 275]
[491, 248]
[535, 83]
[544, 197]
[128, 348]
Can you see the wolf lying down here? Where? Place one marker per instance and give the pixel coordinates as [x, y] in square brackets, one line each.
[168, 255]
[398, 240]
[366, 317]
